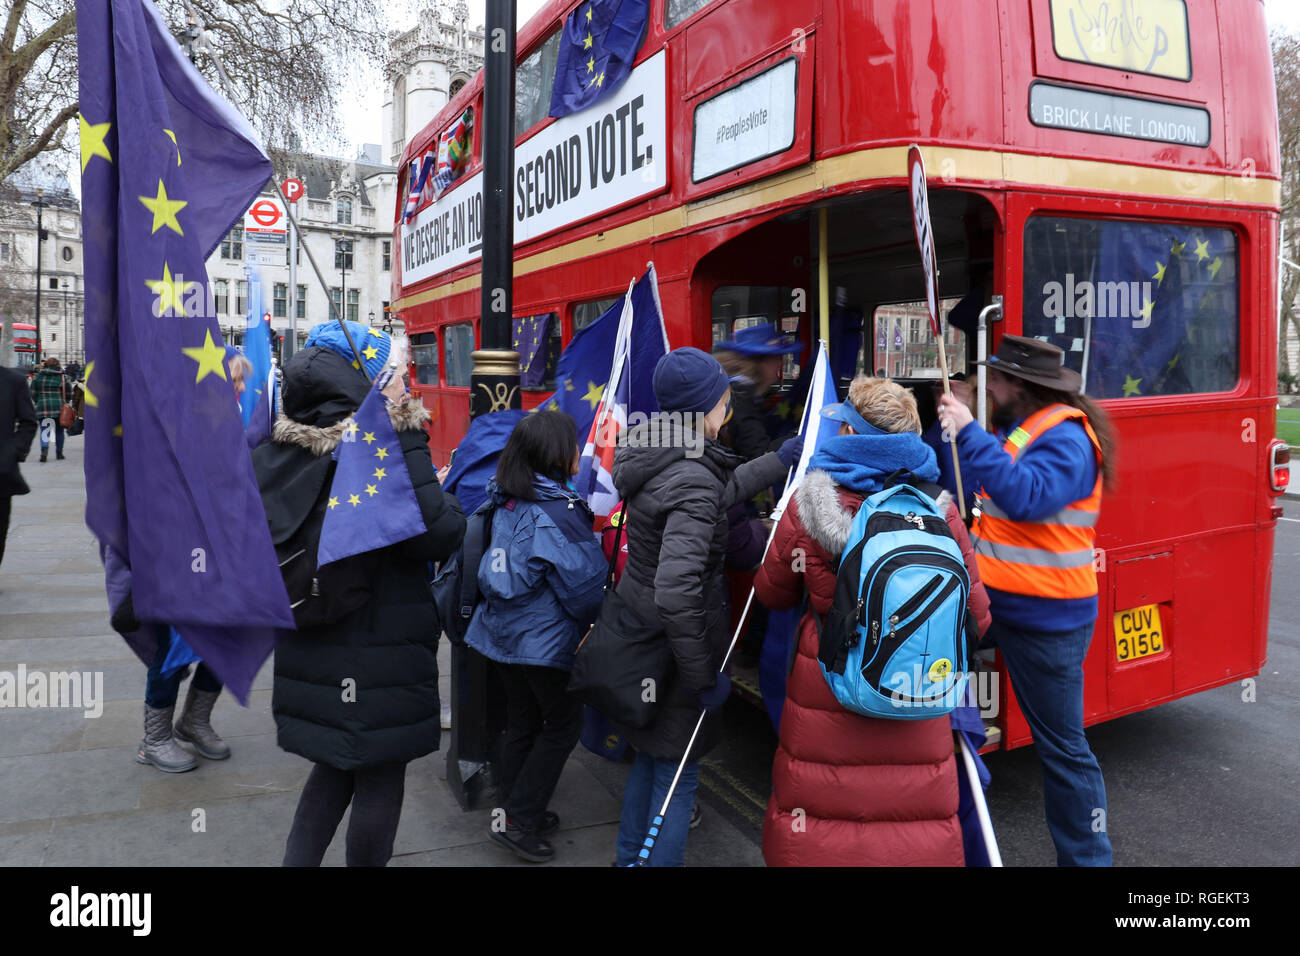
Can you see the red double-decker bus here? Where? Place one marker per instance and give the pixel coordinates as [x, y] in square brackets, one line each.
[1108, 172]
[22, 350]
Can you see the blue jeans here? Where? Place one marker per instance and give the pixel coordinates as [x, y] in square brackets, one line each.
[160, 692]
[1046, 670]
[643, 796]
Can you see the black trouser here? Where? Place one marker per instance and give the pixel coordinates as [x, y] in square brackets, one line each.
[376, 797]
[543, 723]
[5, 501]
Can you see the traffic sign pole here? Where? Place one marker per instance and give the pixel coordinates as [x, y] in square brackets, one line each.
[292, 190]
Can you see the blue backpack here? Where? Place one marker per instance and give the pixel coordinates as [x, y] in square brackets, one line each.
[895, 639]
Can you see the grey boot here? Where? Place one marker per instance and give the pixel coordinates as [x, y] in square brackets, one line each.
[195, 726]
[158, 746]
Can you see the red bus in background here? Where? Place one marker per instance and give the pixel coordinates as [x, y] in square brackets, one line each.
[22, 350]
[1108, 172]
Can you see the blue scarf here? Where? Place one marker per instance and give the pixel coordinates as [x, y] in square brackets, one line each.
[862, 462]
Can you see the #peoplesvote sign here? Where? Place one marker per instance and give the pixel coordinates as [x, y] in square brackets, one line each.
[924, 233]
[609, 154]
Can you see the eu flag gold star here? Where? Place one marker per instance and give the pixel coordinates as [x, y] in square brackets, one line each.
[1202, 250]
[370, 351]
[172, 137]
[1131, 386]
[381, 453]
[589, 14]
[368, 438]
[553, 405]
[170, 292]
[376, 333]
[594, 392]
[164, 210]
[371, 490]
[87, 395]
[92, 141]
[591, 65]
[1177, 249]
[210, 356]
[380, 474]
[1160, 273]
[354, 500]
[333, 503]
[1147, 309]
[586, 44]
[600, 80]
[1215, 266]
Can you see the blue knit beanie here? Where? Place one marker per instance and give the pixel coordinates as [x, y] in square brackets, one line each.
[373, 345]
[688, 380]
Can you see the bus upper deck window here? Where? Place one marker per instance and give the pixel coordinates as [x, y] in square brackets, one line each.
[675, 11]
[1140, 308]
[533, 81]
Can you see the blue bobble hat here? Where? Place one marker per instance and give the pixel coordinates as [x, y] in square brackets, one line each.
[373, 345]
[689, 380]
[761, 340]
[846, 413]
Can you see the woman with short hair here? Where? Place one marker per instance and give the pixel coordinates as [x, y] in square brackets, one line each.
[851, 790]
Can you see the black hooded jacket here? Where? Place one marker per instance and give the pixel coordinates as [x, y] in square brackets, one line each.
[678, 487]
[364, 690]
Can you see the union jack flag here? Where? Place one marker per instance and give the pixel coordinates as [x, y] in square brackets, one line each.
[420, 173]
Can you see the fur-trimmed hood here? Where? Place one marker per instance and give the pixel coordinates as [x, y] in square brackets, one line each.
[410, 415]
[822, 512]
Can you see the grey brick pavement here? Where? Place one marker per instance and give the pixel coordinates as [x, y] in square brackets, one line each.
[72, 794]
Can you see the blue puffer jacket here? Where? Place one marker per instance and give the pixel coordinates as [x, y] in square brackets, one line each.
[542, 578]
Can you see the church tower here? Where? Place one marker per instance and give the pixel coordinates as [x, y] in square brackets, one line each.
[427, 65]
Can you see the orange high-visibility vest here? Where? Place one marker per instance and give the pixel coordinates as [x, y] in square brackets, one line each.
[1051, 557]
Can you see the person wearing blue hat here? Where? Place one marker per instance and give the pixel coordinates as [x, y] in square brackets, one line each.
[373, 345]
[678, 481]
[753, 361]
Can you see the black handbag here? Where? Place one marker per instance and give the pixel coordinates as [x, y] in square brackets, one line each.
[623, 665]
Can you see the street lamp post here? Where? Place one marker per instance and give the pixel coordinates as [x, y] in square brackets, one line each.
[372, 320]
[40, 205]
[343, 246]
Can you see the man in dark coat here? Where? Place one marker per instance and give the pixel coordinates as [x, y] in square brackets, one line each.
[678, 482]
[17, 428]
[358, 697]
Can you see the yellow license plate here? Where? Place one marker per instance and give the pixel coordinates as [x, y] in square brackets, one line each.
[1138, 633]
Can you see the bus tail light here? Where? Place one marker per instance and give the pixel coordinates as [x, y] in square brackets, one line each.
[1281, 466]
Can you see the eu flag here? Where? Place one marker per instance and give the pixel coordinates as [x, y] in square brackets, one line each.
[475, 461]
[597, 46]
[167, 168]
[372, 501]
[587, 362]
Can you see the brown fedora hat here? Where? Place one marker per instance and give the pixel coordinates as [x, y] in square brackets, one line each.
[1034, 361]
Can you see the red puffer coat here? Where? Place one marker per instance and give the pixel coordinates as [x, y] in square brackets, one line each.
[850, 790]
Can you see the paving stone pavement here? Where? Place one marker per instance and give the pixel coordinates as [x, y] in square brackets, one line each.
[71, 793]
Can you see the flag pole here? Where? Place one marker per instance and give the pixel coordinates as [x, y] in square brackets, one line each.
[320, 277]
[952, 443]
[981, 807]
[643, 855]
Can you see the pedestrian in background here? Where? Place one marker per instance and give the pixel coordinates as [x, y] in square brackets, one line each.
[49, 392]
[678, 488]
[541, 584]
[386, 649]
[17, 428]
[1039, 500]
[851, 790]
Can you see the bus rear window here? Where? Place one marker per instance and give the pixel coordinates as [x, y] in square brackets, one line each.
[1140, 308]
[458, 341]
